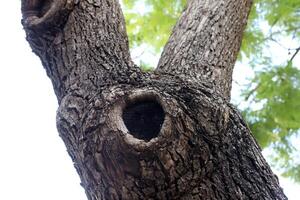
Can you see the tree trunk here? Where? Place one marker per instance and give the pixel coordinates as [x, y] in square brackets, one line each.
[168, 134]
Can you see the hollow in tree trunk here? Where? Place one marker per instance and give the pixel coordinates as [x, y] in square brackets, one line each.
[167, 134]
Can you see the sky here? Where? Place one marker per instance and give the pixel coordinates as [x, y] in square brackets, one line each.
[34, 164]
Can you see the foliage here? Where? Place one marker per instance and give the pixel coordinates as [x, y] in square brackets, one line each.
[273, 94]
[153, 24]
[273, 112]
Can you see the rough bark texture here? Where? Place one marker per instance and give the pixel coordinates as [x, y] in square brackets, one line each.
[205, 42]
[201, 149]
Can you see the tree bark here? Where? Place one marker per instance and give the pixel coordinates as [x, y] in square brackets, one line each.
[205, 42]
[170, 134]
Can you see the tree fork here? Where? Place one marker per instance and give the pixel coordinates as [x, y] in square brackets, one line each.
[162, 135]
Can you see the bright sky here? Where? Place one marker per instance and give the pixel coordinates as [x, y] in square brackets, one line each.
[34, 163]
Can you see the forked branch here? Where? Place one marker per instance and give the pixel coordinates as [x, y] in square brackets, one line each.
[136, 135]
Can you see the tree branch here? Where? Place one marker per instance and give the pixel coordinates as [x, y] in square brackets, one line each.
[295, 54]
[205, 42]
[70, 44]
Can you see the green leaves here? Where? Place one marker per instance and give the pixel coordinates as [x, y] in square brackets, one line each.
[278, 92]
[153, 23]
[273, 112]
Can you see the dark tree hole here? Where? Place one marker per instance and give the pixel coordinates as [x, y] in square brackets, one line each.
[144, 119]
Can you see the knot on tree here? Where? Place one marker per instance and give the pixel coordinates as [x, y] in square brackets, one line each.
[143, 118]
[35, 8]
[45, 13]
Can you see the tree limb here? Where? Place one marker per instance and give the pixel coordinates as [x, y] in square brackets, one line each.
[65, 41]
[294, 55]
[205, 42]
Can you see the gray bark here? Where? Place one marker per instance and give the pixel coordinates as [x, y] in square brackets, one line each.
[205, 42]
[195, 145]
